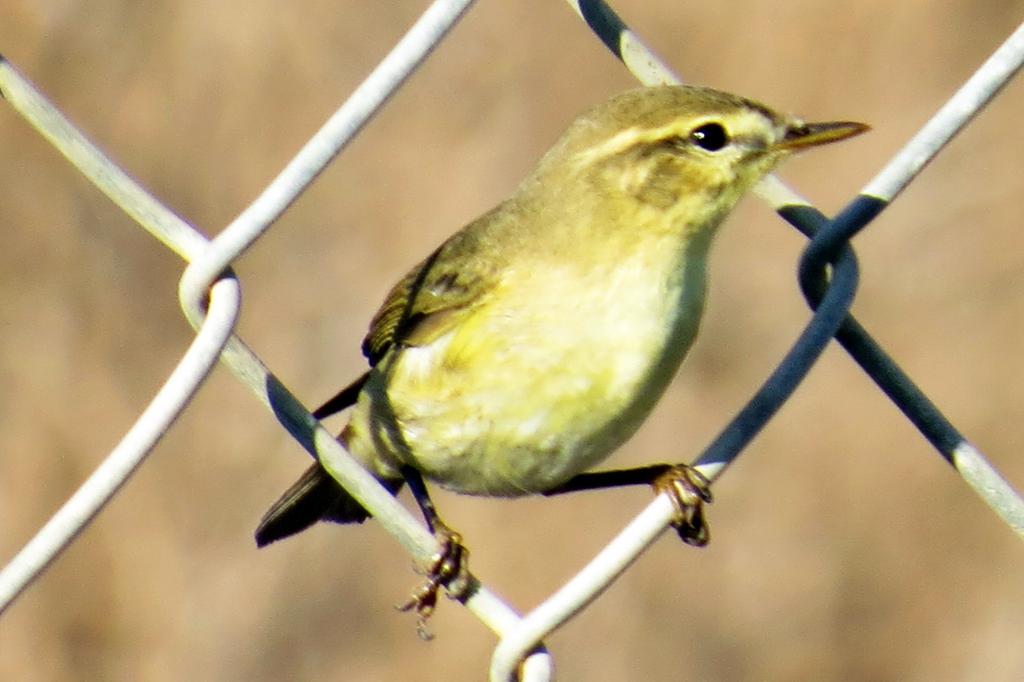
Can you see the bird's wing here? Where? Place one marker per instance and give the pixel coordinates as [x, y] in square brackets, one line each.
[438, 292]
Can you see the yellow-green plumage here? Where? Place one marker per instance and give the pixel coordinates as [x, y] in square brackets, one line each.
[535, 341]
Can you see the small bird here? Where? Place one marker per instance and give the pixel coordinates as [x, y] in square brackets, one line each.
[537, 339]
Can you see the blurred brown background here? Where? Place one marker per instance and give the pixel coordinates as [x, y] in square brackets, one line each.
[843, 546]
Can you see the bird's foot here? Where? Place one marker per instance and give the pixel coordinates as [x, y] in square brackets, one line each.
[449, 568]
[689, 490]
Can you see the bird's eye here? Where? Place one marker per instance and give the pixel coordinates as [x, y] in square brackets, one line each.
[710, 137]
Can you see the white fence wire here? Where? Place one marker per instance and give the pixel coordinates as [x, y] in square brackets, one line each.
[210, 296]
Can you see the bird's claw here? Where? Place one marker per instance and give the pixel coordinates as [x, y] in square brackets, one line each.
[689, 490]
[449, 568]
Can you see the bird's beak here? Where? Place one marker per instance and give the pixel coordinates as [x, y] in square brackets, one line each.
[801, 135]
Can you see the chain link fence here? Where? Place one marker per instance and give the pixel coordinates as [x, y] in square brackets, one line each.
[210, 294]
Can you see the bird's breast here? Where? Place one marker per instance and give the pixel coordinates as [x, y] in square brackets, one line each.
[552, 371]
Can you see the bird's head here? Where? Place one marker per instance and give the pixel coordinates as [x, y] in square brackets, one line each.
[690, 150]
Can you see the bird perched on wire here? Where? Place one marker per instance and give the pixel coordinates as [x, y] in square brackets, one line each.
[534, 341]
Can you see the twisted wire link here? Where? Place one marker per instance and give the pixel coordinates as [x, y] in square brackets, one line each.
[61, 529]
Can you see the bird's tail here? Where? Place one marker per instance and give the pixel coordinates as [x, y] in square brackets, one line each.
[314, 497]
